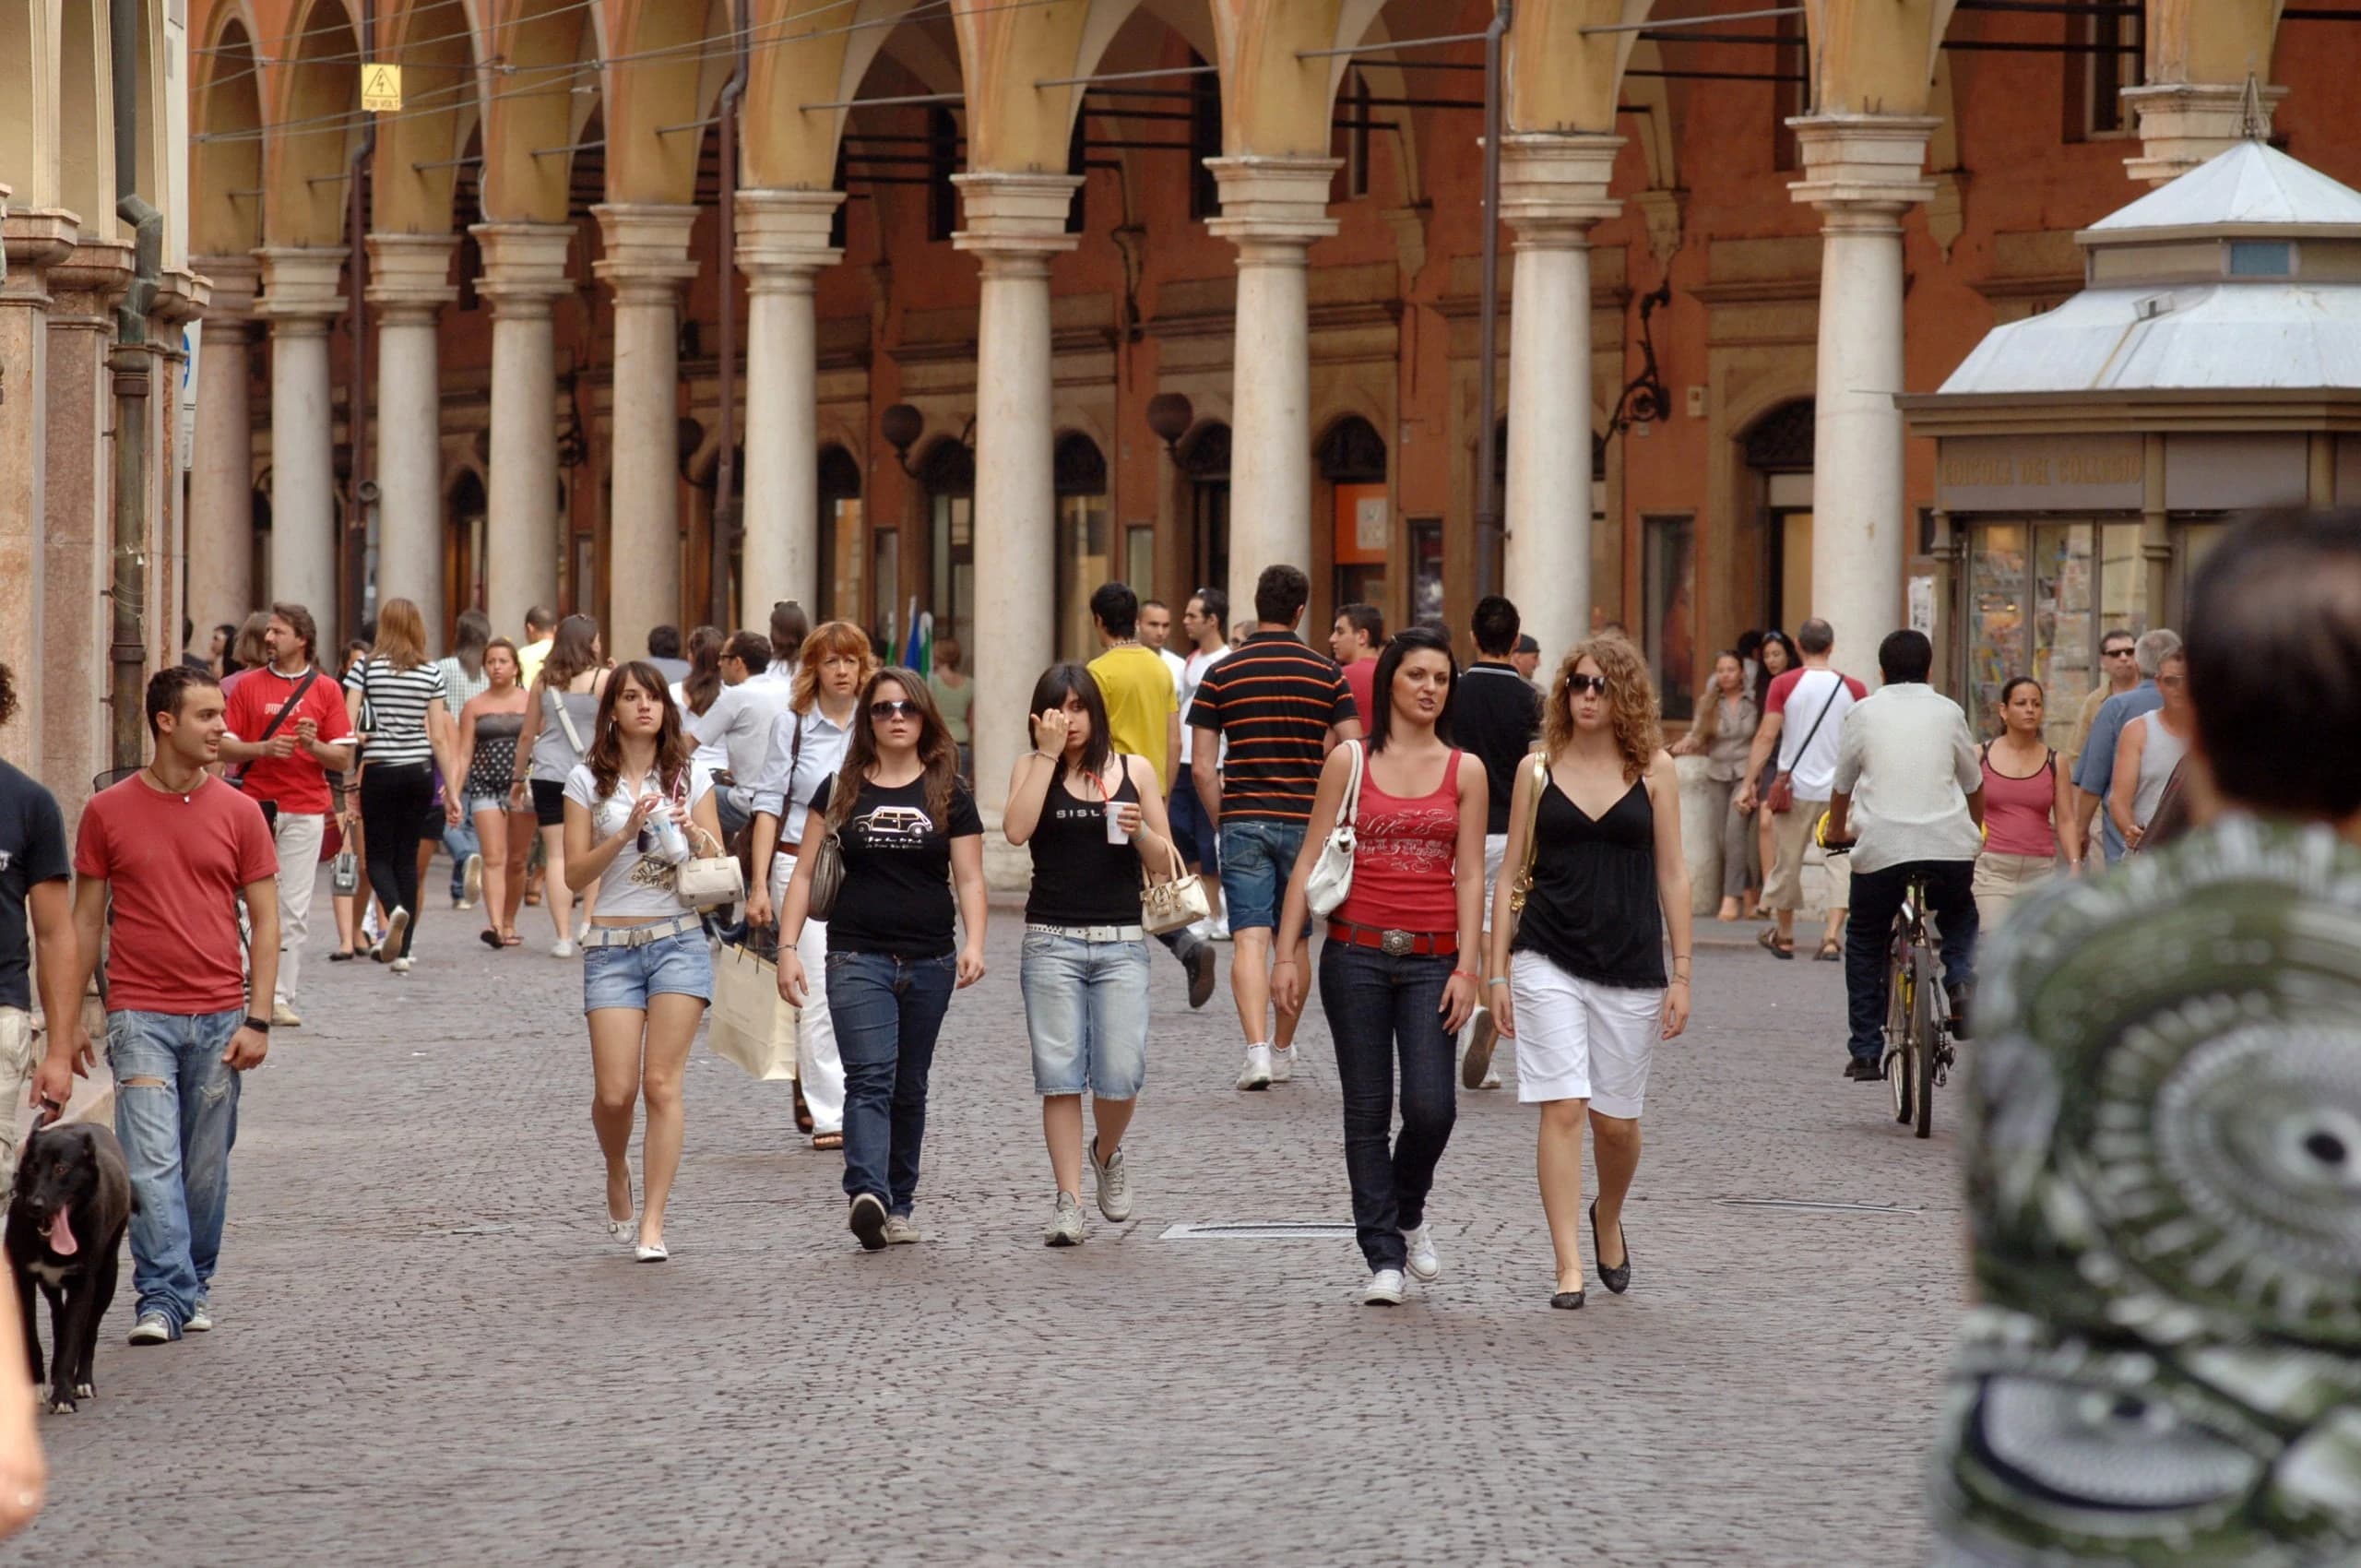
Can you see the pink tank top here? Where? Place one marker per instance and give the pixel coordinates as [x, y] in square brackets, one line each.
[2016, 811]
[1402, 856]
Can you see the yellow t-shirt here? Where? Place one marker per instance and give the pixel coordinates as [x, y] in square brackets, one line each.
[530, 660]
[1136, 685]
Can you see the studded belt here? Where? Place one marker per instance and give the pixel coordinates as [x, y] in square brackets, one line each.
[1396, 943]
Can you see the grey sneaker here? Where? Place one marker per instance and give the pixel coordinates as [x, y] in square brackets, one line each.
[868, 1222]
[900, 1232]
[1114, 1185]
[1282, 1064]
[200, 1321]
[153, 1328]
[1425, 1263]
[1065, 1226]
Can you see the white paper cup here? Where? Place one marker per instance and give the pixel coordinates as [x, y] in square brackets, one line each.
[1115, 834]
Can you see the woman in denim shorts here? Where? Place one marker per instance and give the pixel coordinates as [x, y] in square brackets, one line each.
[634, 806]
[1090, 813]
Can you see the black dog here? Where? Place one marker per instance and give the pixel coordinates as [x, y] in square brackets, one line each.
[66, 1223]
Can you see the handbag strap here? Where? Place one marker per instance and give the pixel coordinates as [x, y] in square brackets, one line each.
[1352, 806]
[1523, 882]
[564, 720]
[1816, 723]
[294, 700]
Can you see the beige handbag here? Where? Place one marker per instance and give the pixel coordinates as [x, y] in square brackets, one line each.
[709, 882]
[1521, 884]
[1168, 906]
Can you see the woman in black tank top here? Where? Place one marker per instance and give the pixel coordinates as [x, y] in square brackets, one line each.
[1581, 982]
[1091, 816]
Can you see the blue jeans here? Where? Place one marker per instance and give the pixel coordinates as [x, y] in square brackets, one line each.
[1257, 857]
[176, 1130]
[887, 1011]
[1379, 1005]
[1869, 939]
[462, 842]
[1085, 1007]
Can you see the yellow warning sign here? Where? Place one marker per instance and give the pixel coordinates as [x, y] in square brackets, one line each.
[381, 88]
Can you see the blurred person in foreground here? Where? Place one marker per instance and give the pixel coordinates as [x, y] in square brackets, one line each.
[2162, 1193]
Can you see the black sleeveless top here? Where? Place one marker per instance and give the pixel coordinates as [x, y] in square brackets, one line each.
[1078, 877]
[1594, 910]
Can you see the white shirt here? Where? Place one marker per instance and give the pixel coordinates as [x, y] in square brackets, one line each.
[788, 799]
[1185, 682]
[739, 722]
[1800, 721]
[1907, 760]
[624, 887]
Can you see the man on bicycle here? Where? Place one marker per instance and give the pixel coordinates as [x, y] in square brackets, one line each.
[1907, 753]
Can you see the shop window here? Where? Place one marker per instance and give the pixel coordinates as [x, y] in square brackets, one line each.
[1670, 586]
[1352, 460]
[1084, 547]
[2039, 597]
[2104, 43]
[1204, 141]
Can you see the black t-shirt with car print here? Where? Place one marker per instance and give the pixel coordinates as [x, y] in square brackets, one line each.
[896, 893]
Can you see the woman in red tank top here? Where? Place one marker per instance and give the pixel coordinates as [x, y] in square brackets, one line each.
[1397, 973]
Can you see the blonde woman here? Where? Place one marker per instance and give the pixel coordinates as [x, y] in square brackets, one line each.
[403, 692]
[1580, 982]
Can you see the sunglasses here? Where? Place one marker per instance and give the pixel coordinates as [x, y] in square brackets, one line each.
[879, 712]
[1576, 684]
[2120, 653]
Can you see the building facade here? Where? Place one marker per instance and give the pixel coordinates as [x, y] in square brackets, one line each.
[975, 246]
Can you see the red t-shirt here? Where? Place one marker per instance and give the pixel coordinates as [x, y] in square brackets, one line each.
[175, 865]
[1360, 679]
[299, 784]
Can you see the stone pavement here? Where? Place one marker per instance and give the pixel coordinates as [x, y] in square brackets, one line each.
[429, 1351]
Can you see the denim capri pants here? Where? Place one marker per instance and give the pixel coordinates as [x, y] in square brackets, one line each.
[1086, 1005]
[679, 964]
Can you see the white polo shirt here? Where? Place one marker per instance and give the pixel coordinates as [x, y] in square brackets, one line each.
[1909, 762]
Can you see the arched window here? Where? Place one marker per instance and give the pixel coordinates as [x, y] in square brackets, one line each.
[1085, 560]
[947, 470]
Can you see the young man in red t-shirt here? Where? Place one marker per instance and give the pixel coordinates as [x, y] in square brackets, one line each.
[287, 774]
[175, 849]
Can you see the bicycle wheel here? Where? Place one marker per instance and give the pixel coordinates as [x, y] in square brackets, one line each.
[1899, 1076]
[1922, 1037]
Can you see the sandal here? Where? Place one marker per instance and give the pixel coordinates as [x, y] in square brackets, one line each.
[828, 1140]
[1768, 940]
[490, 939]
[1830, 952]
[510, 939]
[803, 1112]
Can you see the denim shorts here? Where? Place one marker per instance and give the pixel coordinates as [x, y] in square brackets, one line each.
[1257, 858]
[679, 964]
[1199, 844]
[1086, 1005]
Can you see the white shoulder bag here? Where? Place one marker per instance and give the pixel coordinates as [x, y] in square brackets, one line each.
[1332, 875]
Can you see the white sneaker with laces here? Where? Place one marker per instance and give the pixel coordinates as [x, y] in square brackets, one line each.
[1064, 1228]
[153, 1328]
[1256, 1074]
[1426, 1265]
[390, 944]
[201, 1320]
[563, 949]
[1283, 1065]
[1114, 1182]
[401, 965]
[1384, 1289]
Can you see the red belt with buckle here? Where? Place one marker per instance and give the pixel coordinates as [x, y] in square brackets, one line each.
[1441, 945]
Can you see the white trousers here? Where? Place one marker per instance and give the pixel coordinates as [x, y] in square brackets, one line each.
[298, 868]
[15, 1067]
[817, 1066]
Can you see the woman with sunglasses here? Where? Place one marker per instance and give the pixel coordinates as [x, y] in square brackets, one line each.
[1579, 980]
[636, 805]
[1398, 972]
[909, 834]
[1091, 815]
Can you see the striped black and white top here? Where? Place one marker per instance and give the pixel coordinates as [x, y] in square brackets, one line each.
[398, 700]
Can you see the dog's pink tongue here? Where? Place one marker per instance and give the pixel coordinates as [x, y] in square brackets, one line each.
[61, 1235]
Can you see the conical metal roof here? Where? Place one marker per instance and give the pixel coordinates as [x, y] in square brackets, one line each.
[2252, 184]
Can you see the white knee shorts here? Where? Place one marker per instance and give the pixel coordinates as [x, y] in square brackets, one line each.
[1577, 1040]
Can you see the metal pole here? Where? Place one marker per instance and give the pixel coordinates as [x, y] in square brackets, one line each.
[725, 476]
[1487, 496]
[357, 399]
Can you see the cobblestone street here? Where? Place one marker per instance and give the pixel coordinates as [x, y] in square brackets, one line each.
[429, 1351]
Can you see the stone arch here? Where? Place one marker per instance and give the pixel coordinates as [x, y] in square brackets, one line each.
[1140, 35]
[1350, 451]
[820, 57]
[225, 206]
[678, 65]
[540, 44]
[436, 42]
[1078, 467]
[316, 95]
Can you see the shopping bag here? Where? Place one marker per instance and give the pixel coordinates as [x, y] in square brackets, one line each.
[749, 1023]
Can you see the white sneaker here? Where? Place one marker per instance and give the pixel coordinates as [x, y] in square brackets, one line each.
[1282, 1065]
[390, 944]
[1114, 1182]
[1426, 1265]
[200, 1319]
[1256, 1074]
[153, 1328]
[401, 965]
[1064, 1228]
[561, 949]
[1384, 1290]
[285, 1017]
[471, 882]
[1220, 931]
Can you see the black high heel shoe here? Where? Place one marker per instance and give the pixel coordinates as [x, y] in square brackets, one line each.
[1619, 1278]
[1567, 1300]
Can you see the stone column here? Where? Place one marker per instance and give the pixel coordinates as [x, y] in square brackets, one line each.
[303, 293]
[1273, 209]
[782, 245]
[647, 263]
[407, 285]
[1552, 189]
[1015, 222]
[221, 468]
[2184, 124]
[77, 613]
[523, 270]
[33, 239]
[1862, 172]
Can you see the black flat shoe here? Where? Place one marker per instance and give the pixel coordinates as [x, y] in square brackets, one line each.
[343, 958]
[1619, 1278]
[1567, 1300]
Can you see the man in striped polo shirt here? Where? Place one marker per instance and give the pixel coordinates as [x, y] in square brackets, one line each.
[1278, 706]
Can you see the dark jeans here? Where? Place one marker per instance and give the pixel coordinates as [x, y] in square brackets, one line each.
[887, 1012]
[393, 802]
[1376, 1006]
[1869, 938]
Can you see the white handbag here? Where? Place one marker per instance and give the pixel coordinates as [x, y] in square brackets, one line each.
[1168, 906]
[1332, 873]
[708, 882]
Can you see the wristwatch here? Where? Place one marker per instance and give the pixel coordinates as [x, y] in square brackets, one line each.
[260, 1026]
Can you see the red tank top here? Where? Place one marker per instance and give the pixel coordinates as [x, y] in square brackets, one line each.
[1402, 856]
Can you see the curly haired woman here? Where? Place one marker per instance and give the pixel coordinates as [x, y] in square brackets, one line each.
[1585, 994]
